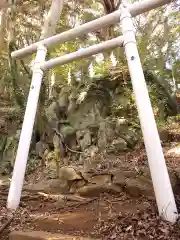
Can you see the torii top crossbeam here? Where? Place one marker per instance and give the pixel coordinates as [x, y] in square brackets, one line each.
[135, 9]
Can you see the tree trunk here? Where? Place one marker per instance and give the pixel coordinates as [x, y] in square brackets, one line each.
[3, 16]
[13, 65]
[173, 106]
[52, 19]
[48, 30]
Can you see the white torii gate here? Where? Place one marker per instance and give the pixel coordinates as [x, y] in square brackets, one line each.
[160, 178]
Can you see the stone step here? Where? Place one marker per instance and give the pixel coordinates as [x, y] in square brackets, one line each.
[39, 235]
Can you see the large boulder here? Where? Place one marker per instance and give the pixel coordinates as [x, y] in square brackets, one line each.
[131, 137]
[133, 183]
[51, 166]
[139, 186]
[106, 134]
[121, 125]
[63, 100]
[69, 135]
[92, 104]
[136, 184]
[111, 135]
[90, 159]
[9, 152]
[84, 138]
[41, 148]
[51, 113]
[69, 174]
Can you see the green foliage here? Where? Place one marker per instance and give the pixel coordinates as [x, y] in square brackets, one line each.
[102, 69]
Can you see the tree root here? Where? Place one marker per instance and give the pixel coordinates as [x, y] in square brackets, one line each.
[6, 224]
[59, 197]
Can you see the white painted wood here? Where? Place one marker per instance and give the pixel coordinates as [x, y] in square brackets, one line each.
[160, 178]
[26, 132]
[82, 53]
[135, 9]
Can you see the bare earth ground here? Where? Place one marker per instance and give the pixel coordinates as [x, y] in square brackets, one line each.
[106, 217]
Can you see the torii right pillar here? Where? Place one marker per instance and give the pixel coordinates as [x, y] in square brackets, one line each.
[160, 178]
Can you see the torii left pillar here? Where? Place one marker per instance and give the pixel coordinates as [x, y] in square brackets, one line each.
[26, 132]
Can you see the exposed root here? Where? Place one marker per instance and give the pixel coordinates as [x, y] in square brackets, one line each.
[6, 224]
[59, 197]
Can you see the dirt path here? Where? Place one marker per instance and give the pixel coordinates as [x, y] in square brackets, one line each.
[106, 217]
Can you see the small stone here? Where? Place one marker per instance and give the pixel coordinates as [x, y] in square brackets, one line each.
[119, 144]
